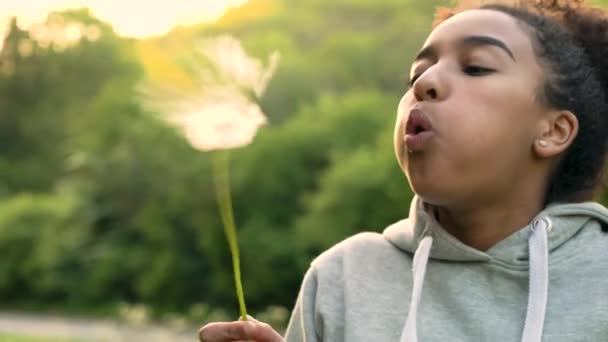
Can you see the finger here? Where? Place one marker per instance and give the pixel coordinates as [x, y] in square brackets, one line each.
[240, 330]
[224, 331]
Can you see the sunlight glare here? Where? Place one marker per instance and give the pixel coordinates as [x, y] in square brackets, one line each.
[133, 18]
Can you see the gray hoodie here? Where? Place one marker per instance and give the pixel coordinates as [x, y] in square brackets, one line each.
[546, 282]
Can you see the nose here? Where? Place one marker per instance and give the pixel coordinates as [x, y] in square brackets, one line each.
[429, 86]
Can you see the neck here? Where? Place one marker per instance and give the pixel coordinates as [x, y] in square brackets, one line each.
[482, 227]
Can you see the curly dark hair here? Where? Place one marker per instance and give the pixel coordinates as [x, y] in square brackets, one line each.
[570, 40]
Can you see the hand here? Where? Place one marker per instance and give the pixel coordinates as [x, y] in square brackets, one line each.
[249, 330]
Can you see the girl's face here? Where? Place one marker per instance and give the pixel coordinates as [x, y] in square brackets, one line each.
[465, 130]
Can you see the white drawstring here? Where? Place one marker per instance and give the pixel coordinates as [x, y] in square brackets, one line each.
[421, 258]
[539, 281]
[537, 292]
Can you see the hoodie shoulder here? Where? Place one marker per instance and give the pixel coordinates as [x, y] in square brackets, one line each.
[360, 253]
[361, 243]
[357, 278]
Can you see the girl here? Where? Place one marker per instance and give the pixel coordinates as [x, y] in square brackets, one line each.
[503, 137]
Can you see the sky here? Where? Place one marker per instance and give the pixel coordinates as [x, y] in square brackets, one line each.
[133, 18]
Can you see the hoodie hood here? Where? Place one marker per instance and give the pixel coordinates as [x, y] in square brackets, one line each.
[567, 220]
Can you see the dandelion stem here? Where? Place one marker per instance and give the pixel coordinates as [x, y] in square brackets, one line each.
[222, 187]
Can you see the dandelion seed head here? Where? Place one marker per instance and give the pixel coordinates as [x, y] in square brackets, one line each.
[220, 114]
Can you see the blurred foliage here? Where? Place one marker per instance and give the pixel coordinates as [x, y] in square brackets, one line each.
[102, 203]
[14, 338]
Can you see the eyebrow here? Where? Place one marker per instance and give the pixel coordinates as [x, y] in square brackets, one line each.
[473, 41]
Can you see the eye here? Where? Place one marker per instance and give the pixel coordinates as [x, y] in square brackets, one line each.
[475, 70]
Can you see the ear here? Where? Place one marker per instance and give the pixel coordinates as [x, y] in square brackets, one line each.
[557, 132]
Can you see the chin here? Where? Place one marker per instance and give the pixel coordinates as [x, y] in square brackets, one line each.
[430, 191]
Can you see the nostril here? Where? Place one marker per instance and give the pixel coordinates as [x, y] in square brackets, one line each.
[432, 93]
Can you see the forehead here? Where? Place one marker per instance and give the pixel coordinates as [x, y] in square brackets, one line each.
[484, 22]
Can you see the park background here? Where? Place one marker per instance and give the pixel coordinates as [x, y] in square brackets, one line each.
[106, 211]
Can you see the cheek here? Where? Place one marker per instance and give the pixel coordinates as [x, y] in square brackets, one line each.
[476, 119]
[402, 107]
[493, 129]
[401, 117]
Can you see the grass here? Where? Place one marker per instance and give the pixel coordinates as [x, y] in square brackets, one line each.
[15, 338]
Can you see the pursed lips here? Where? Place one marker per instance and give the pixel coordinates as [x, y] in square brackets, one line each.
[418, 130]
[417, 122]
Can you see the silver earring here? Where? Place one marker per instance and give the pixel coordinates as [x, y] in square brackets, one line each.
[543, 143]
